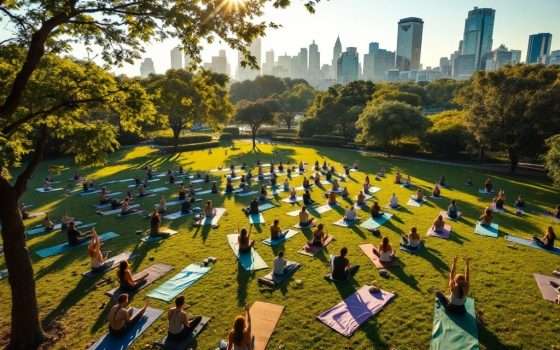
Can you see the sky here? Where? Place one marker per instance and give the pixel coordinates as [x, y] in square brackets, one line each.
[359, 22]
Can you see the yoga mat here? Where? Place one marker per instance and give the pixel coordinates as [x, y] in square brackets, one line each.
[41, 229]
[35, 214]
[43, 190]
[116, 181]
[446, 217]
[313, 250]
[455, 331]
[273, 280]
[156, 190]
[164, 230]
[109, 342]
[170, 203]
[412, 251]
[116, 211]
[345, 223]
[293, 213]
[264, 318]
[214, 220]
[347, 316]
[548, 292]
[152, 180]
[64, 247]
[375, 223]
[530, 243]
[178, 283]
[176, 215]
[109, 264]
[313, 224]
[184, 343]
[413, 203]
[155, 272]
[289, 234]
[266, 206]
[490, 231]
[373, 190]
[320, 210]
[87, 193]
[250, 261]
[202, 193]
[289, 200]
[197, 181]
[483, 191]
[367, 249]
[256, 219]
[246, 194]
[444, 234]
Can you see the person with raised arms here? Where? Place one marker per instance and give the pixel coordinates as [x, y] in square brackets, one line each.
[180, 324]
[127, 283]
[547, 241]
[519, 205]
[97, 258]
[500, 200]
[411, 241]
[240, 337]
[341, 270]
[244, 240]
[385, 252]
[458, 287]
[122, 318]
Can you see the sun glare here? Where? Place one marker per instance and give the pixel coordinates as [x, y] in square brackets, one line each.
[235, 4]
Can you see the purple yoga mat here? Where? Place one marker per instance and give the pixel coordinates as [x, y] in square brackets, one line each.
[346, 316]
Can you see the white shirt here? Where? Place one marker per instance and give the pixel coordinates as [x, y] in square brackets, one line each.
[279, 265]
[350, 215]
[394, 201]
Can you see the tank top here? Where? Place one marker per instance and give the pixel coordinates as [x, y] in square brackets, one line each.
[456, 300]
[385, 256]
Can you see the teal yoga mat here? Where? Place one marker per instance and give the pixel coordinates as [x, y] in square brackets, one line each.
[487, 230]
[64, 247]
[372, 224]
[256, 219]
[266, 206]
[531, 243]
[250, 261]
[455, 332]
[178, 283]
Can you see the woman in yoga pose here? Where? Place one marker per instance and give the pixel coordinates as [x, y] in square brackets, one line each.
[411, 241]
[452, 211]
[361, 199]
[394, 201]
[209, 210]
[375, 210]
[304, 219]
[350, 214]
[182, 193]
[458, 287]
[488, 186]
[398, 178]
[96, 255]
[439, 224]
[286, 185]
[500, 200]
[47, 223]
[319, 237]
[486, 217]
[519, 205]
[122, 318]
[332, 198]
[307, 198]
[244, 240]
[276, 231]
[419, 196]
[341, 269]
[293, 194]
[162, 206]
[240, 337]
[263, 194]
[436, 192]
[344, 194]
[155, 223]
[127, 284]
[75, 237]
[547, 241]
[385, 252]
[181, 325]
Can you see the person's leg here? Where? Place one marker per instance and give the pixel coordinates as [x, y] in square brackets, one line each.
[193, 323]
[442, 299]
[353, 270]
[538, 241]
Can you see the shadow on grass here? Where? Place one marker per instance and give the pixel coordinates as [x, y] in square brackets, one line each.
[243, 279]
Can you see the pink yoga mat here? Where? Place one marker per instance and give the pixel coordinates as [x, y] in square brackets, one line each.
[346, 316]
[548, 292]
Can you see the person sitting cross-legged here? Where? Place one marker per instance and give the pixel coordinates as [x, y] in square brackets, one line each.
[385, 252]
[394, 201]
[411, 241]
[361, 199]
[319, 237]
[253, 208]
[127, 283]
[47, 223]
[276, 231]
[307, 198]
[75, 237]
[122, 318]
[155, 223]
[452, 211]
[331, 198]
[96, 255]
[438, 225]
[519, 205]
[341, 270]
[350, 215]
[279, 264]
[375, 210]
[547, 241]
[486, 217]
[304, 219]
[181, 325]
[240, 337]
[436, 191]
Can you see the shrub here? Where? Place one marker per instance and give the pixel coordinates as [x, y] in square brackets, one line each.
[325, 140]
[183, 140]
[448, 136]
[189, 147]
[310, 126]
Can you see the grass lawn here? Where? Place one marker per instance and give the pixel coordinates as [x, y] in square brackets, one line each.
[507, 298]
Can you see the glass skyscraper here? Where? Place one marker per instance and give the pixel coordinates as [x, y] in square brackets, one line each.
[539, 47]
[409, 44]
[348, 66]
[477, 37]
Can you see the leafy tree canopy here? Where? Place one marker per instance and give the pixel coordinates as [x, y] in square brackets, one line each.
[255, 114]
[262, 87]
[552, 158]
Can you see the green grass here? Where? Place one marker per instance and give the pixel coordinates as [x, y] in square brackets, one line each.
[514, 314]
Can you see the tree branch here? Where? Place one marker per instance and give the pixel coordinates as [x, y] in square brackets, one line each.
[23, 178]
[19, 20]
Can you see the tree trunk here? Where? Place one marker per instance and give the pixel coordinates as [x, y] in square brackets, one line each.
[289, 122]
[513, 159]
[26, 330]
[254, 136]
[176, 134]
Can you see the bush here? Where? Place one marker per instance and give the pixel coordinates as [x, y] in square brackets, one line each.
[226, 136]
[183, 140]
[448, 135]
[189, 147]
[310, 126]
[286, 138]
[291, 131]
[232, 130]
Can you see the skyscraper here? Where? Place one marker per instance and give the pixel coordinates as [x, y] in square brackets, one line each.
[409, 44]
[247, 73]
[348, 66]
[477, 36]
[498, 58]
[219, 63]
[314, 62]
[268, 65]
[299, 68]
[369, 62]
[539, 46]
[337, 51]
[147, 67]
[176, 58]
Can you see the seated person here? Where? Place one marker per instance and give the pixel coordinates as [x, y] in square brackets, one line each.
[85, 186]
[245, 242]
[398, 178]
[350, 214]
[306, 183]
[240, 337]
[104, 197]
[331, 198]
[499, 201]
[316, 165]
[253, 208]
[488, 186]
[127, 283]
[125, 207]
[46, 185]
[346, 170]
[307, 198]
[459, 289]
[385, 252]
[438, 225]
[214, 188]
[345, 192]
[407, 182]
[289, 173]
[142, 191]
[361, 199]
[263, 194]
[375, 210]
[23, 211]
[547, 241]
[122, 318]
[317, 179]
[96, 255]
[436, 192]
[242, 182]
[324, 166]
[452, 211]
[115, 203]
[162, 206]
[335, 186]
[419, 196]
[286, 186]
[275, 230]
[186, 207]
[75, 237]
[441, 181]
[319, 237]
[486, 217]
[341, 269]
[209, 210]
[279, 264]
[328, 177]
[519, 204]
[182, 193]
[181, 325]
[412, 241]
[155, 223]
[65, 220]
[206, 178]
[281, 167]
[300, 166]
[293, 194]
[273, 181]
[366, 180]
[171, 179]
[394, 201]
[48, 225]
[304, 219]
[229, 187]
[366, 187]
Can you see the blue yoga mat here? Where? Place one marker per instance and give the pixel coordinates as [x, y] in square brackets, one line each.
[484, 230]
[372, 224]
[64, 247]
[266, 206]
[250, 261]
[455, 332]
[178, 283]
[256, 219]
[275, 242]
[108, 342]
[531, 243]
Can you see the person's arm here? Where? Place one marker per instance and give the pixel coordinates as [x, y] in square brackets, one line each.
[467, 270]
[248, 318]
[452, 272]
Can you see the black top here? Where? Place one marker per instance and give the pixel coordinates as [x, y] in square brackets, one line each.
[254, 207]
[73, 236]
[340, 264]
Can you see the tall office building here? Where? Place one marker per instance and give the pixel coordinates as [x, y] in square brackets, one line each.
[539, 46]
[499, 58]
[553, 58]
[147, 67]
[314, 73]
[247, 73]
[369, 62]
[515, 56]
[348, 66]
[377, 62]
[299, 64]
[283, 67]
[176, 58]
[268, 65]
[409, 44]
[477, 36]
[445, 67]
[337, 51]
[219, 63]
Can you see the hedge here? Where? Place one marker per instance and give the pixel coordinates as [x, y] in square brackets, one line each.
[329, 139]
[189, 147]
[226, 136]
[183, 140]
[232, 130]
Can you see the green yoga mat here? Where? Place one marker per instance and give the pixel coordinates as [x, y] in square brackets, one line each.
[455, 332]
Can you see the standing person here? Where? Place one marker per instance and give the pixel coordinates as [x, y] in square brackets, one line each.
[458, 287]
[240, 336]
[181, 325]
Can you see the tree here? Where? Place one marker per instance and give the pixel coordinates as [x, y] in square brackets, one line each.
[115, 30]
[514, 109]
[294, 101]
[552, 158]
[441, 93]
[448, 134]
[262, 87]
[392, 93]
[186, 98]
[256, 114]
[386, 123]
